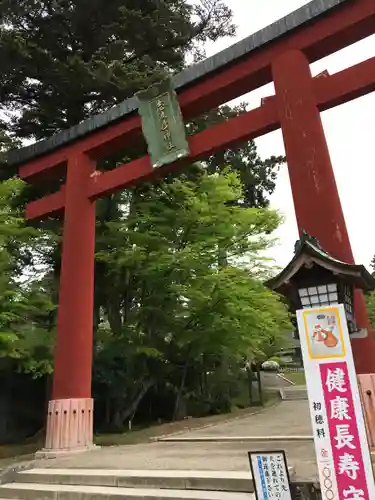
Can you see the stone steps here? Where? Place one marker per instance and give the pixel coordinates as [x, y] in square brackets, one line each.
[94, 484]
[189, 480]
[35, 491]
[293, 393]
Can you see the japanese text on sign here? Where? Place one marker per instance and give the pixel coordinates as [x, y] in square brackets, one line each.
[343, 458]
[270, 475]
[164, 125]
[343, 430]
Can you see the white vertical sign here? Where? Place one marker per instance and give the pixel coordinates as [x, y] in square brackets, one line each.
[343, 457]
[270, 475]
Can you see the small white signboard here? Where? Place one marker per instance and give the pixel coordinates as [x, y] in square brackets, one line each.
[343, 457]
[270, 475]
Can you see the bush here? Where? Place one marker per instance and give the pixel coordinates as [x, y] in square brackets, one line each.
[277, 360]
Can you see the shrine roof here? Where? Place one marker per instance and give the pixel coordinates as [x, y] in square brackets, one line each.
[308, 252]
[189, 76]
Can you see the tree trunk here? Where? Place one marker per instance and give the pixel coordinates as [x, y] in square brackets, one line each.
[107, 417]
[117, 422]
[133, 407]
[114, 316]
[250, 382]
[48, 395]
[207, 391]
[222, 258]
[260, 388]
[120, 414]
[180, 390]
[202, 379]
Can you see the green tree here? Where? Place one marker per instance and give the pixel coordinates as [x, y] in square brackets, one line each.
[370, 300]
[65, 60]
[24, 308]
[179, 306]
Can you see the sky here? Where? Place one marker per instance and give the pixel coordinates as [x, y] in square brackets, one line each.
[350, 132]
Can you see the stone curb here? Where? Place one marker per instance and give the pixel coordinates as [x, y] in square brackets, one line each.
[74, 492]
[283, 377]
[234, 439]
[66, 482]
[52, 454]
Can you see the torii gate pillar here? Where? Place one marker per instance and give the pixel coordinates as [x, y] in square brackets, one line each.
[70, 412]
[316, 198]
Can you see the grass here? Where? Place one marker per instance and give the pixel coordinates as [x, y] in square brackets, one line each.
[25, 448]
[297, 377]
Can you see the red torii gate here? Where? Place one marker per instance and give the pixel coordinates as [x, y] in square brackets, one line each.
[281, 53]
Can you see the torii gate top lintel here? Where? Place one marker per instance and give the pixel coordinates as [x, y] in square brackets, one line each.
[211, 72]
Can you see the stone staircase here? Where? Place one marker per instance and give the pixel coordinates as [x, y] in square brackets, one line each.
[293, 393]
[94, 484]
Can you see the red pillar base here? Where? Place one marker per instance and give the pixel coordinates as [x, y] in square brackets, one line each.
[366, 383]
[69, 427]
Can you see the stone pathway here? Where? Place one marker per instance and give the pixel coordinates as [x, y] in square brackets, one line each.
[273, 381]
[288, 418]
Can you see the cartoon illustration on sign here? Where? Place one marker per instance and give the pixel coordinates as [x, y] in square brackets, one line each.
[324, 337]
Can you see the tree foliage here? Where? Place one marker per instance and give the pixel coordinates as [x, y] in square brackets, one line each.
[370, 300]
[24, 306]
[178, 303]
[178, 288]
[64, 60]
